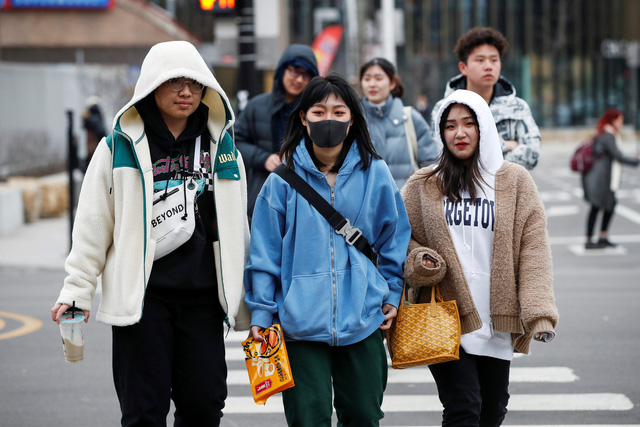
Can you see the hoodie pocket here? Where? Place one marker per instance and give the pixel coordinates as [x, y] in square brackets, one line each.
[365, 289]
[306, 310]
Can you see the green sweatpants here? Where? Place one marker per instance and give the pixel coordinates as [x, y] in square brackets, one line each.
[359, 373]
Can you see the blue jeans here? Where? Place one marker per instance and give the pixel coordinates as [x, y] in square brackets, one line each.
[473, 390]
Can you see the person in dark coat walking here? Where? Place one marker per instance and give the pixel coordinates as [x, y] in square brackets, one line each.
[260, 128]
[93, 123]
[602, 181]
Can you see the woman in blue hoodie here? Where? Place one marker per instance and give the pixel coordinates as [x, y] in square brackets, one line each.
[330, 299]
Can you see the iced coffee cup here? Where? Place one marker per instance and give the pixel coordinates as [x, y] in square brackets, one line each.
[72, 331]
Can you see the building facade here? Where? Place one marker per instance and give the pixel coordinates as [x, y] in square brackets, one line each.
[569, 59]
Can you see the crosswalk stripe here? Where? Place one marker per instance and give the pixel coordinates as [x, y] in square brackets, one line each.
[421, 375]
[430, 403]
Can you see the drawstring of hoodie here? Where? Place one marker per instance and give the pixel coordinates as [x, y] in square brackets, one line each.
[184, 174]
[184, 171]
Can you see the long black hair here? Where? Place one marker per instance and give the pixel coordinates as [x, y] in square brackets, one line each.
[455, 175]
[318, 89]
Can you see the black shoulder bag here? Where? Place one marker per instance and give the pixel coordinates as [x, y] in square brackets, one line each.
[340, 224]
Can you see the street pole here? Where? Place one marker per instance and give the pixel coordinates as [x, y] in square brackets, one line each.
[246, 50]
[72, 160]
[388, 30]
[353, 47]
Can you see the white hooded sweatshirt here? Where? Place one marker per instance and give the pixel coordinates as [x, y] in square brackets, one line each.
[472, 224]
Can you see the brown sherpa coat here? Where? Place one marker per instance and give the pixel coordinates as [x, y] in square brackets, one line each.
[522, 300]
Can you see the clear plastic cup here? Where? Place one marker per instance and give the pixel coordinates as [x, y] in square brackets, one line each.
[72, 332]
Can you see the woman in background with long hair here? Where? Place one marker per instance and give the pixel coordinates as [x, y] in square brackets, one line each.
[602, 181]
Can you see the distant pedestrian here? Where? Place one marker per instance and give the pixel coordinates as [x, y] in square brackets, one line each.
[330, 298]
[168, 162]
[384, 111]
[93, 124]
[422, 105]
[483, 217]
[602, 181]
[480, 53]
[260, 128]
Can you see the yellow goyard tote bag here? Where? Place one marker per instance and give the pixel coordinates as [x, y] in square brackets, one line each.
[424, 334]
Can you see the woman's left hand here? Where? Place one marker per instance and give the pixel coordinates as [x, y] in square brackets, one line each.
[389, 313]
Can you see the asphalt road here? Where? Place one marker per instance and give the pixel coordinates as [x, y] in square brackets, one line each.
[587, 376]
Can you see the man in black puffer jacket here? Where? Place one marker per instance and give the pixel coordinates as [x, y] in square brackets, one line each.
[260, 128]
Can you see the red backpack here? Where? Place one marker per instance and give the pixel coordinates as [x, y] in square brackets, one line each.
[582, 159]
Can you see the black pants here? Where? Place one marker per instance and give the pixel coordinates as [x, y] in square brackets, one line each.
[591, 221]
[473, 390]
[175, 352]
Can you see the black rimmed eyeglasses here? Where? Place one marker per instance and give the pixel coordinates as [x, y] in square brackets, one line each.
[297, 72]
[177, 85]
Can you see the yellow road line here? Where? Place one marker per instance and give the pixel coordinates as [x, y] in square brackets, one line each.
[30, 324]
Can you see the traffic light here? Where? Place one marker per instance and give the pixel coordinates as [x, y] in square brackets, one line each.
[218, 5]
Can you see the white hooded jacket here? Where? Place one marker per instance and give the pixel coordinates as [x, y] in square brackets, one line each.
[111, 235]
[471, 226]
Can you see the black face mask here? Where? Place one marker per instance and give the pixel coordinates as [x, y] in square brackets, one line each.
[328, 133]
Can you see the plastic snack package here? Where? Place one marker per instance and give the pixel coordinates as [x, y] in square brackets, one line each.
[267, 364]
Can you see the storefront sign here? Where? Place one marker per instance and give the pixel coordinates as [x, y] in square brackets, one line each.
[58, 4]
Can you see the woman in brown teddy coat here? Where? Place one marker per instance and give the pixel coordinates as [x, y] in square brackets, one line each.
[479, 230]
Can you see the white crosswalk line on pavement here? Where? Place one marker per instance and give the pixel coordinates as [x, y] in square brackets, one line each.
[554, 211]
[628, 213]
[423, 375]
[582, 251]
[430, 403]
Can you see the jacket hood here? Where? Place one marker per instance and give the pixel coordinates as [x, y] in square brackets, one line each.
[173, 59]
[299, 55]
[491, 157]
[503, 88]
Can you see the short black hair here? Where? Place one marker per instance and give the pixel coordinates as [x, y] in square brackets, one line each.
[479, 36]
[318, 89]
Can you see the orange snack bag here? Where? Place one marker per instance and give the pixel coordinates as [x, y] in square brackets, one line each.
[267, 364]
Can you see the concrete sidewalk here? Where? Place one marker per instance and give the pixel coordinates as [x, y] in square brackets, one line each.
[41, 244]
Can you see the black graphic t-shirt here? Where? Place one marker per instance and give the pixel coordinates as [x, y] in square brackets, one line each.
[186, 275]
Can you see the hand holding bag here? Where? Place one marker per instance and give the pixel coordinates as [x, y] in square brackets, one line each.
[267, 364]
[424, 334]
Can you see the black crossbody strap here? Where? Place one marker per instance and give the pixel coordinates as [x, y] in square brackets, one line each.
[342, 226]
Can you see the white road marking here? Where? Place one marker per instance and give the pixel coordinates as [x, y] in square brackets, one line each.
[628, 213]
[581, 251]
[430, 403]
[579, 240]
[555, 196]
[420, 375]
[562, 210]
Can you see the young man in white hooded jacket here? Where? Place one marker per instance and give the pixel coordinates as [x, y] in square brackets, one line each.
[166, 308]
[478, 230]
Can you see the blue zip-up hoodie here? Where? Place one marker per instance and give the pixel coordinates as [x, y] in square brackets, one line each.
[304, 276]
